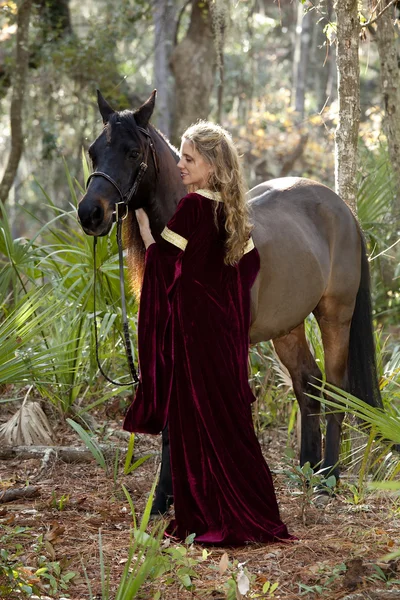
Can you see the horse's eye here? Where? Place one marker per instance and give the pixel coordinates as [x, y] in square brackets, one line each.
[134, 154]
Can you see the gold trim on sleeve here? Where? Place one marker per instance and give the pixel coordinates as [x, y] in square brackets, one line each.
[174, 238]
[249, 246]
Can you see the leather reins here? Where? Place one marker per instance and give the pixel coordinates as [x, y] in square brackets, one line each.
[119, 216]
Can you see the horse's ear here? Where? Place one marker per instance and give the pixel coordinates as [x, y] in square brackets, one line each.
[143, 114]
[105, 109]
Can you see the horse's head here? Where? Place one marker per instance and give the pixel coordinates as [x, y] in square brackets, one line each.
[125, 166]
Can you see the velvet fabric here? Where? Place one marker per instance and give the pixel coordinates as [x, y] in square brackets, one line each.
[194, 321]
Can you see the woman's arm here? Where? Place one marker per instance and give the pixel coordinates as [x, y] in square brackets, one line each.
[144, 227]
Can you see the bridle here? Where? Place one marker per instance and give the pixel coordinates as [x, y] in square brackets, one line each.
[126, 198]
[119, 216]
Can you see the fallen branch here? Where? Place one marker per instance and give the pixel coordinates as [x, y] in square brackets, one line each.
[49, 457]
[18, 493]
[63, 453]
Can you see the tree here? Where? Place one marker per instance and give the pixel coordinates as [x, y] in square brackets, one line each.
[348, 31]
[390, 88]
[301, 57]
[193, 65]
[164, 18]
[17, 100]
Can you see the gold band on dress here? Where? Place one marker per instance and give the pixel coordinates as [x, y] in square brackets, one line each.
[249, 246]
[210, 194]
[174, 238]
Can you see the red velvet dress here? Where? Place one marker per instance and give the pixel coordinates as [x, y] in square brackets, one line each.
[193, 334]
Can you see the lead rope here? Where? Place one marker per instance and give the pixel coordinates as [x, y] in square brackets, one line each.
[125, 326]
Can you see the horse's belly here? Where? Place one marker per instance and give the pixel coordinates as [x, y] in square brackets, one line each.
[280, 306]
[291, 282]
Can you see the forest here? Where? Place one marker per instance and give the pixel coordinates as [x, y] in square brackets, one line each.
[307, 88]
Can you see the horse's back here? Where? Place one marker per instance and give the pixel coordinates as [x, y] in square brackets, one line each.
[309, 246]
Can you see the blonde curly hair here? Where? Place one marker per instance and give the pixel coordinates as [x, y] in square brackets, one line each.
[217, 148]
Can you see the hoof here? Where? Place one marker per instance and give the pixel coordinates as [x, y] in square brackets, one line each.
[161, 505]
[322, 500]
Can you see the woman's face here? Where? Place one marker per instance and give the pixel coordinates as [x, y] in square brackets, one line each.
[195, 171]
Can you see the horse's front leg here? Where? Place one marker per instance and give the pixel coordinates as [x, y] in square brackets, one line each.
[295, 354]
[164, 493]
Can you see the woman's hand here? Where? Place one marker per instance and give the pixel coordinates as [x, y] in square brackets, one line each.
[144, 227]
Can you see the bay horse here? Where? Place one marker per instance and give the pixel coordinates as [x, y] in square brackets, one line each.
[313, 260]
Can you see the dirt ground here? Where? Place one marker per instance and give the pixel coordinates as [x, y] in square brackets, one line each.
[338, 555]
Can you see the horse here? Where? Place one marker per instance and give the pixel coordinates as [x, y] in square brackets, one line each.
[313, 260]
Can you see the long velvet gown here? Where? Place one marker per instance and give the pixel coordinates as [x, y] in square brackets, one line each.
[194, 320]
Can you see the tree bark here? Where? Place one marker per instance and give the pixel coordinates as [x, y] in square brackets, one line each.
[301, 59]
[193, 66]
[164, 18]
[348, 29]
[390, 88]
[331, 84]
[19, 493]
[17, 99]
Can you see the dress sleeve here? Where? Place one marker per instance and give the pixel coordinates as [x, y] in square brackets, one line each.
[163, 266]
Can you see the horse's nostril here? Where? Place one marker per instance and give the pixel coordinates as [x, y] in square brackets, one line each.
[97, 214]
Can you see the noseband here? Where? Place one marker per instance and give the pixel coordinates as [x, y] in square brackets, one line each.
[119, 216]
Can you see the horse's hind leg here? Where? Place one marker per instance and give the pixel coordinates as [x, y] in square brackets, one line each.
[334, 322]
[295, 354]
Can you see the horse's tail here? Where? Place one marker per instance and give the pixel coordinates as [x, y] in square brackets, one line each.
[362, 375]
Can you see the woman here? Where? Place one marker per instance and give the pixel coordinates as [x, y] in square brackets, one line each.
[193, 346]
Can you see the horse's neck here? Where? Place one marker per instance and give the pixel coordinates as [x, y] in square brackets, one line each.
[169, 188]
[161, 201]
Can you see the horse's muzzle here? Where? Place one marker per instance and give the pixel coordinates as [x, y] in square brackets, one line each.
[93, 218]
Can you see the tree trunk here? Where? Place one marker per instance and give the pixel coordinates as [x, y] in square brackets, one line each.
[348, 29]
[164, 18]
[17, 99]
[390, 87]
[193, 65]
[301, 59]
[331, 84]
[55, 19]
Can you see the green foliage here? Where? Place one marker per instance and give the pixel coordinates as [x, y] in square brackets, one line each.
[326, 576]
[91, 443]
[271, 387]
[94, 447]
[59, 503]
[22, 580]
[24, 354]
[46, 290]
[386, 426]
[307, 481]
[128, 466]
[375, 198]
[143, 556]
[382, 428]
[14, 578]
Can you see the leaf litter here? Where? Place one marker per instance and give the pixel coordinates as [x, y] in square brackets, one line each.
[339, 551]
